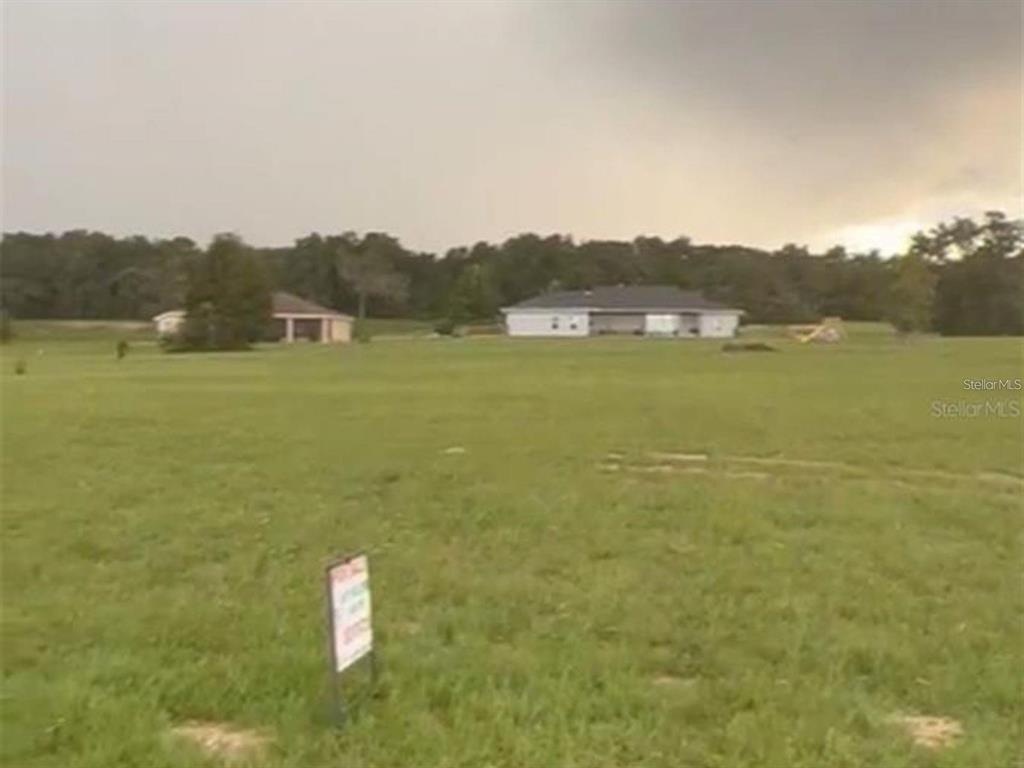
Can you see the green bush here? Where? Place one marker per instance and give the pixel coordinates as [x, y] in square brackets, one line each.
[484, 329]
[747, 346]
[6, 326]
[204, 330]
[445, 327]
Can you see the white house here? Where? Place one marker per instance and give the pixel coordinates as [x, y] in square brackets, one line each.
[647, 310]
[294, 319]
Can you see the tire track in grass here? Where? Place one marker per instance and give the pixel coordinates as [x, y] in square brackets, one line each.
[778, 467]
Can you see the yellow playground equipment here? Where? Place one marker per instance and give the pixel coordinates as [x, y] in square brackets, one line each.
[828, 331]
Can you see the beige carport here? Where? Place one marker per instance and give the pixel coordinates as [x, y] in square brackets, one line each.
[297, 319]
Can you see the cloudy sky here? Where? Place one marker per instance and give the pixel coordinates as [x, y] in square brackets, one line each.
[739, 121]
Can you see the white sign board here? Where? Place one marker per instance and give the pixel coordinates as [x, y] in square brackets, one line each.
[349, 587]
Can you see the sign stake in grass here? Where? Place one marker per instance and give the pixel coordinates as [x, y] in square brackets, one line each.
[349, 622]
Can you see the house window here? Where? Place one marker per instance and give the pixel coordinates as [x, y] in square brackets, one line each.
[572, 324]
[554, 323]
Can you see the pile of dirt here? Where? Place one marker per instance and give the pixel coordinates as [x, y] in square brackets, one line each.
[930, 732]
[225, 742]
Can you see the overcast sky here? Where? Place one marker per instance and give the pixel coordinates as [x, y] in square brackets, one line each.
[446, 123]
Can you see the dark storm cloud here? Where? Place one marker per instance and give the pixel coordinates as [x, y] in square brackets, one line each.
[832, 61]
[448, 122]
[899, 102]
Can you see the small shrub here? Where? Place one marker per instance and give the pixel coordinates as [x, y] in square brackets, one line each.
[6, 326]
[747, 346]
[20, 367]
[205, 331]
[171, 342]
[362, 333]
[180, 341]
[484, 329]
[122, 349]
[445, 327]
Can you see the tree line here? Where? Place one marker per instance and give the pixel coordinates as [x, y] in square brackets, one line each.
[961, 277]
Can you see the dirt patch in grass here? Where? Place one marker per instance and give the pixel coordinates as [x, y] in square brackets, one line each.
[767, 467]
[937, 474]
[762, 468]
[409, 628]
[223, 741]
[671, 681]
[672, 469]
[662, 456]
[1000, 477]
[682, 547]
[804, 463]
[655, 468]
[930, 732]
[747, 475]
[668, 469]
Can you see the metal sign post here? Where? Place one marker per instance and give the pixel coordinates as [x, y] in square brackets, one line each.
[347, 584]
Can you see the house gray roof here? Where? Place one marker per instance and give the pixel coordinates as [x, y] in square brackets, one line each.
[283, 303]
[623, 298]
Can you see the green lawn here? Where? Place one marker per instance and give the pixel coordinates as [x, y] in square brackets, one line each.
[561, 593]
[386, 326]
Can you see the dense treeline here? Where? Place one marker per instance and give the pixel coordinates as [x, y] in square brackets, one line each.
[91, 275]
[964, 277]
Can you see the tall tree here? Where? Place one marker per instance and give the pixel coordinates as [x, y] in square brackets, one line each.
[366, 268]
[911, 295]
[227, 298]
[981, 282]
[473, 296]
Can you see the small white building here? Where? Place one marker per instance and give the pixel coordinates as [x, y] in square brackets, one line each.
[167, 323]
[642, 310]
[297, 319]
[294, 319]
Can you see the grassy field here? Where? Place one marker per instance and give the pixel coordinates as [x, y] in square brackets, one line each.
[386, 326]
[647, 553]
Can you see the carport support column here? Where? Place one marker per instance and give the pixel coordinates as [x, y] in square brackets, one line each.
[289, 329]
[325, 330]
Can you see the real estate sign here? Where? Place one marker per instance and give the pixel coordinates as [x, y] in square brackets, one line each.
[348, 589]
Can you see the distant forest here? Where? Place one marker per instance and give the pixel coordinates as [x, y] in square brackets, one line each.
[969, 276]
